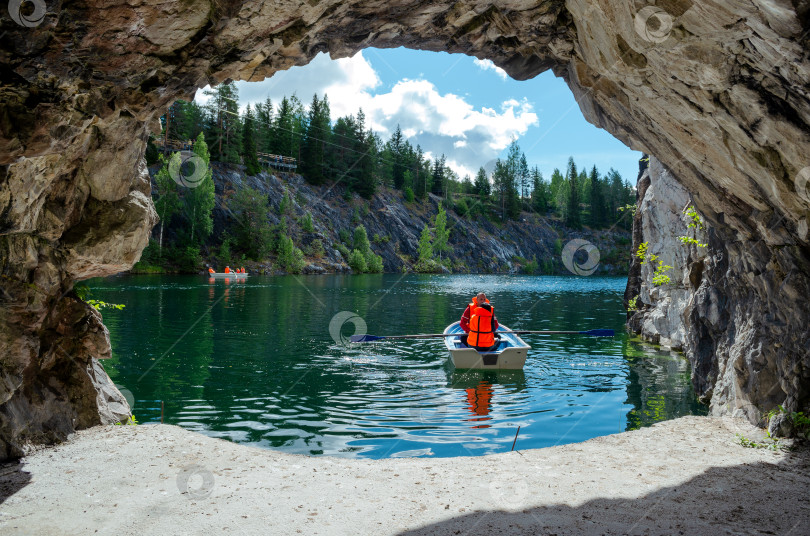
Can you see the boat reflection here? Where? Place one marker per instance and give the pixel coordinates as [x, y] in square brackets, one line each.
[479, 388]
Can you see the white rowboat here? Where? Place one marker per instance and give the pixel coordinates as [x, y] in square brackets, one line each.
[510, 354]
[230, 275]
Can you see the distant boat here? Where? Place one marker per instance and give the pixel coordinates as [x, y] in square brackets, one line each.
[229, 275]
[510, 354]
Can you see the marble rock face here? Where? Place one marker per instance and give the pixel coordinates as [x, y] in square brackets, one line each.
[716, 90]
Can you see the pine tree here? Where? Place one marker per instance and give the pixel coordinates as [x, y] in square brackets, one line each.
[396, 146]
[540, 192]
[572, 216]
[597, 200]
[437, 186]
[482, 187]
[523, 176]
[264, 125]
[252, 166]
[282, 132]
[365, 147]
[313, 154]
[224, 133]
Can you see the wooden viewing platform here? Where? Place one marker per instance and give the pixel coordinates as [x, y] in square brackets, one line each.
[277, 161]
[271, 160]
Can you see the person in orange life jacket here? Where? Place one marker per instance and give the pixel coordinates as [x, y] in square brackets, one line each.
[479, 324]
[211, 270]
[227, 269]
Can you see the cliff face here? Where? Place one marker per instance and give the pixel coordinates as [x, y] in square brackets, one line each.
[747, 352]
[476, 245]
[716, 90]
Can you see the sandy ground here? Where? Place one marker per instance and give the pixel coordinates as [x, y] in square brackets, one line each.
[687, 476]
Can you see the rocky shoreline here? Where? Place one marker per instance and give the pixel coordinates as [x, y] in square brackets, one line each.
[685, 476]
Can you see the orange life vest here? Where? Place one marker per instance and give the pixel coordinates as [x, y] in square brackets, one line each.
[481, 334]
[211, 271]
[227, 269]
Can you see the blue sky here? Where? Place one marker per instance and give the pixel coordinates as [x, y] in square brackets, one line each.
[454, 104]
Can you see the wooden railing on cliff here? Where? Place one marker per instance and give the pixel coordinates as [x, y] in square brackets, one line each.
[276, 161]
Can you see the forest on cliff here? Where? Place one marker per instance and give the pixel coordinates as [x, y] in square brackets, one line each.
[347, 158]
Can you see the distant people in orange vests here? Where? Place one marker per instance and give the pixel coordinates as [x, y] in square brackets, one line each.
[243, 270]
[227, 269]
[211, 270]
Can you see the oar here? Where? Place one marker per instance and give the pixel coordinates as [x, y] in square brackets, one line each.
[592, 333]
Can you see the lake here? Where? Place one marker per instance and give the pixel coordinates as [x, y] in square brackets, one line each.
[256, 362]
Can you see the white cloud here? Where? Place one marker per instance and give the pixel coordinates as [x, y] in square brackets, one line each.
[441, 123]
[488, 65]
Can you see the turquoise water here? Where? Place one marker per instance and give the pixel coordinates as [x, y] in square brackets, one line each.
[254, 362]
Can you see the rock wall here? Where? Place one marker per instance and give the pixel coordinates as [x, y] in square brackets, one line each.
[662, 207]
[717, 90]
[745, 359]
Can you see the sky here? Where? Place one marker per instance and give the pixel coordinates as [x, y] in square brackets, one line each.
[463, 107]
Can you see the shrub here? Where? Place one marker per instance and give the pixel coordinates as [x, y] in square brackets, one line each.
[306, 223]
[357, 262]
[316, 248]
[360, 241]
[224, 253]
[374, 263]
[462, 209]
[531, 266]
[377, 239]
[343, 250]
[290, 258]
[344, 236]
[408, 193]
[189, 259]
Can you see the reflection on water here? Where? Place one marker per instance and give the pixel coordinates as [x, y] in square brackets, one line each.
[254, 362]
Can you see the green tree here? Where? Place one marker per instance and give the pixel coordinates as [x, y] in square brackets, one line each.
[199, 201]
[572, 215]
[540, 192]
[598, 215]
[168, 202]
[441, 232]
[224, 133]
[482, 186]
[425, 247]
[360, 239]
[249, 143]
[253, 231]
[357, 261]
[313, 154]
[439, 176]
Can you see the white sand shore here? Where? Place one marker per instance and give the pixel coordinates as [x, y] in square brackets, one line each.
[687, 476]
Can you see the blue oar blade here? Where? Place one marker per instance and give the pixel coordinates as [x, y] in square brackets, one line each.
[599, 333]
[365, 338]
